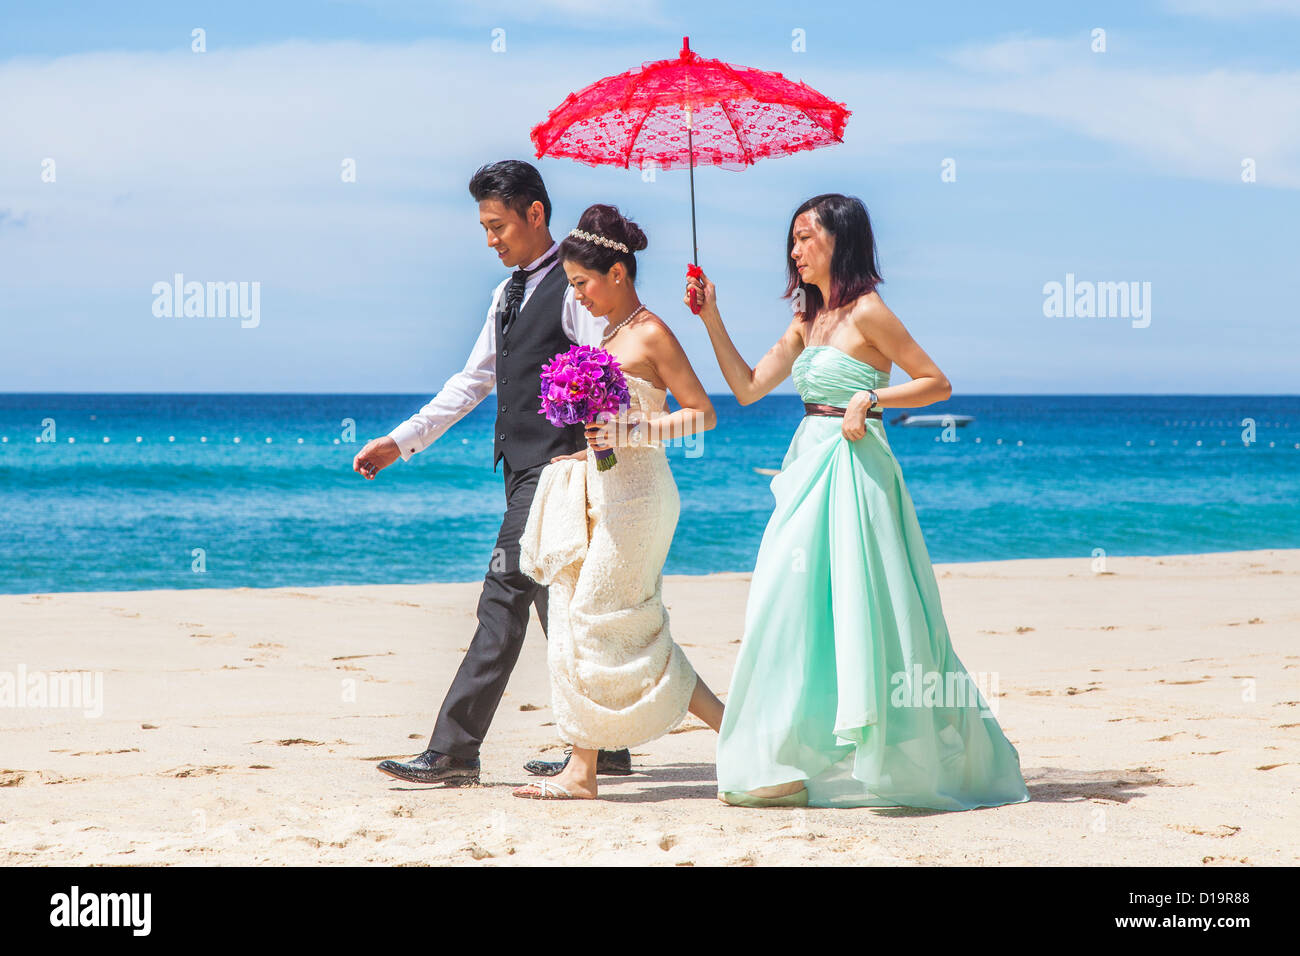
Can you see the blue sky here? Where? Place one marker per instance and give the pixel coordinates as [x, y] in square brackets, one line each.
[1118, 166]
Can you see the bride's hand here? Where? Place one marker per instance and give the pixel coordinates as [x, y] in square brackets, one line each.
[600, 435]
[576, 456]
[705, 293]
[855, 417]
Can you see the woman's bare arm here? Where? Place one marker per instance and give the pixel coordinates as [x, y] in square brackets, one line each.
[878, 325]
[676, 372]
[747, 384]
[674, 369]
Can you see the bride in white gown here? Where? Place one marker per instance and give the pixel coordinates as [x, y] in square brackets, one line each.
[599, 539]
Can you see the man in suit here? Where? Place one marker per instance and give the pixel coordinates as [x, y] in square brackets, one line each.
[532, 316]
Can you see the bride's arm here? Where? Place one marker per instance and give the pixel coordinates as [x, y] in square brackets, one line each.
[747, 384]
[675, 371]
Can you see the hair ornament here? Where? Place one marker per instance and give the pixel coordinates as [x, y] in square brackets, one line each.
[599, 240]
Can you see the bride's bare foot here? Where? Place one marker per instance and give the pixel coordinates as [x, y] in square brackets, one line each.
[553, 790]
[578, 787]
[578, 777]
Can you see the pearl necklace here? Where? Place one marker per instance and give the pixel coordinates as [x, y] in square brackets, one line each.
[611, 333]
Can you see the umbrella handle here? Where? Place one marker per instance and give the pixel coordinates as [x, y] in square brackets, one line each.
[693, 271]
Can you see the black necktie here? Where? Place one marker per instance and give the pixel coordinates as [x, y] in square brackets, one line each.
[515, 291]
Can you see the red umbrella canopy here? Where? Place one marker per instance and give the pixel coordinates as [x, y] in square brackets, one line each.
[735, 116]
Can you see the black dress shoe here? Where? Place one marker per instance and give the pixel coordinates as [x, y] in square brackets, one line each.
[433, 767]
[612, 763]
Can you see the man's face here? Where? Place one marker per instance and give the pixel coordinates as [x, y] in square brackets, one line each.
[511, 236]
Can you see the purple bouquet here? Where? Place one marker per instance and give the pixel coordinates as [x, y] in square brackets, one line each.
[580, 384]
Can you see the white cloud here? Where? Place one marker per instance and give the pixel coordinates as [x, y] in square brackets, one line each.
[600, 15]
[1234, 9]
[1018, 54]
[1197, 124]
[226, 166]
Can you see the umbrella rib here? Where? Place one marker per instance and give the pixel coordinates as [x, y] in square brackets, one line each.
[740, 79]
[740, 140]
[828, 129]
[631, 143]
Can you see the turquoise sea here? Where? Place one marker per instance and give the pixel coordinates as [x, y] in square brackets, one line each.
[156, 506]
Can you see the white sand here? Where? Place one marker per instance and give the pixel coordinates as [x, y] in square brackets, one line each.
[1156, 710]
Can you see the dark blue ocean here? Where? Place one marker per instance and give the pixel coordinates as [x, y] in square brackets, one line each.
[1127, 474]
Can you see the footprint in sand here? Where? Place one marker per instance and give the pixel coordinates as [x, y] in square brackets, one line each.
[189, 770]
[294, 741]
[1218, 832]
[688, 729]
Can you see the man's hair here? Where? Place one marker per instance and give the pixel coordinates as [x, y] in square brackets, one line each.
[515, 183]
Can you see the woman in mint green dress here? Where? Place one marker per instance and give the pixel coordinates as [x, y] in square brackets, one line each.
[847, 691]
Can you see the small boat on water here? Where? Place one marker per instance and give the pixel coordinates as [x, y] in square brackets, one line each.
[932, 421]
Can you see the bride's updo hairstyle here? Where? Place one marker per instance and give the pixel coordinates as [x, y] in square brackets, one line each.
[854, 267]
[607, 223]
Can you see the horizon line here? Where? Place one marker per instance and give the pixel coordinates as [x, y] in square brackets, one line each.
[1208, 395]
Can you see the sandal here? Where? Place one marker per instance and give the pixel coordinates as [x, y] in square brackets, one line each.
[543, 790]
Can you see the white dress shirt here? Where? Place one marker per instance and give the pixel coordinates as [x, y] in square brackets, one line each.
[475, 381]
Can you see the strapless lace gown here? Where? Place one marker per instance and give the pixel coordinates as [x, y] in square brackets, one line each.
[846, 678]
[599, 540]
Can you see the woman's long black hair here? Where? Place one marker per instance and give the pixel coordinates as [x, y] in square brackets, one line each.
[854, 269]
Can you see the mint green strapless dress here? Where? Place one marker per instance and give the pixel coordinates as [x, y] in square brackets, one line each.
[846, 678]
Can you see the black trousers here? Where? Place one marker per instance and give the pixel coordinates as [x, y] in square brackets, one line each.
[475, 693]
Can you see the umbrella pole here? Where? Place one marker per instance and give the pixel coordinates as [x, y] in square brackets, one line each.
[695, 250]
[694, 269]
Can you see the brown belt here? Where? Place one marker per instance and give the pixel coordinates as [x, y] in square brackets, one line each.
[810, 408]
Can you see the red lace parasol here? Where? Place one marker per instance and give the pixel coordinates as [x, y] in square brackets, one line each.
[674, 113]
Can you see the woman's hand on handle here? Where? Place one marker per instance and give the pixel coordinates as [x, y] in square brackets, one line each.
[706, 296]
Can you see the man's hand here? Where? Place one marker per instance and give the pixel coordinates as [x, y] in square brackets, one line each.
[378, 454]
